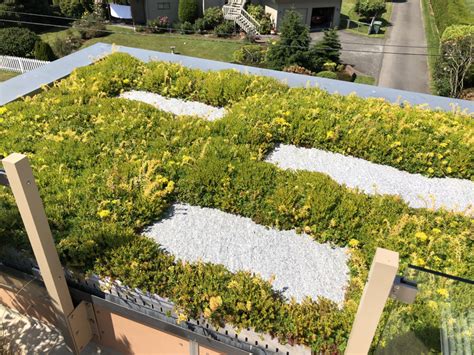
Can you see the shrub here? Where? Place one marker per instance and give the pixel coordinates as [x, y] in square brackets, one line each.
[43, 51]
[264, 19]
[293, 46]
[90, 26]
[327, 74]
[250, 54]
[186, 28]
[63, 46]
[212, 17]
[159, 25]
[225, 29]
[187, 10]
[455, 61]
[199, 26]
[370, 8]
[17, 41]
[297, 70]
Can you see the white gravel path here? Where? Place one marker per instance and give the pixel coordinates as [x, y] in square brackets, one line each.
[176, 106]
[301, 266]
[417, 190]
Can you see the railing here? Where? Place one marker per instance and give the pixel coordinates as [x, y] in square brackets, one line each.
[249, 17]
[20, 65]
[234, 11]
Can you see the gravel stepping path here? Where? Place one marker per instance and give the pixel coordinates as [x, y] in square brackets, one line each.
[176, 106]
[416, 190]
[301, 266]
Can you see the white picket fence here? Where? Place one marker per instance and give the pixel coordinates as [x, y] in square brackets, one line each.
[20, 65]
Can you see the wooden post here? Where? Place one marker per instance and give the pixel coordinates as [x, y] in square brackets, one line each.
[377, 289]
[74, 327]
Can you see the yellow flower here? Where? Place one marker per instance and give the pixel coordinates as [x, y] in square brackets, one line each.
[103, 213]
[433, 305]
[443, 145]
[353, 243]
[207, 313]
[125, 81]
[436, 230]
[421, 236]
[443, 292]
[215, 302]
[430, 171]
[3, 110]
[330, 135]
[182, 318]
[449, 169]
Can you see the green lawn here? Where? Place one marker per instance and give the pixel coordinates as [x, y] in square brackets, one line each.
[347, 12]
[432, 37]
[5, 75]
[191, 45]
[470, 4]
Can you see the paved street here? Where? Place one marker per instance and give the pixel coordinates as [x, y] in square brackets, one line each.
[401, 70]
[362, 52]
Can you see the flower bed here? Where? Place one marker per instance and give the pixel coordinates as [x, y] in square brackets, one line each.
[108, 167]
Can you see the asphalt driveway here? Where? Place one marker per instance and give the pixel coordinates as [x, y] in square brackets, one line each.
[362, 52]
[405, 64]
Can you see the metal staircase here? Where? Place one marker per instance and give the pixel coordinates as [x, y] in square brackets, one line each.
[235, 11]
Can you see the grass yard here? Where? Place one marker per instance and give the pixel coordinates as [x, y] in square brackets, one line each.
[432, 38]
[347, 12]
[109, 167]
[5, 75]
[190, 45]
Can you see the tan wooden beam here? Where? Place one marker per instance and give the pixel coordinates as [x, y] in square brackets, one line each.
[376, 291]
[22, 183]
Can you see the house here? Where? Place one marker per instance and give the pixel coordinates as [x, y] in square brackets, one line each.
[316, 14]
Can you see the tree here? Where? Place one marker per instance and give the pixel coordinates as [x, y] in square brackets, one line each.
[455, 61]
[188, 10]
[293, 46]
[370, 8]
[328, 49]
[75, 8]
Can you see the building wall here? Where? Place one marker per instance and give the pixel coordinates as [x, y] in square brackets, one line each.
[157, 8]
[305, 8]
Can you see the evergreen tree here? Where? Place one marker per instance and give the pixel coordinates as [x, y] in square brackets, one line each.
[187, 10]
[43, 51]
[293, 46]
[328, 49]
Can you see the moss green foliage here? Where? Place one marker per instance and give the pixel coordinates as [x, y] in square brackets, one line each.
[452, 12]
[17, 41]
[187, 10]
[107, 167]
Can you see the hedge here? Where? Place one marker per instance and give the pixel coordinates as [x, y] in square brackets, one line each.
[108, 167]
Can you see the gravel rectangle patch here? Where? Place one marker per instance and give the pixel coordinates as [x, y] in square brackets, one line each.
[176, 106]
[416, 190]
[300, 266]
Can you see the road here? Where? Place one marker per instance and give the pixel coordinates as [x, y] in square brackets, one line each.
[407, 69]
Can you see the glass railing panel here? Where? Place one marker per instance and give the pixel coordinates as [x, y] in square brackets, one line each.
[440, 321]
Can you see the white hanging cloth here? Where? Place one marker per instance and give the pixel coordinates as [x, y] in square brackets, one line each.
[121, 11]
